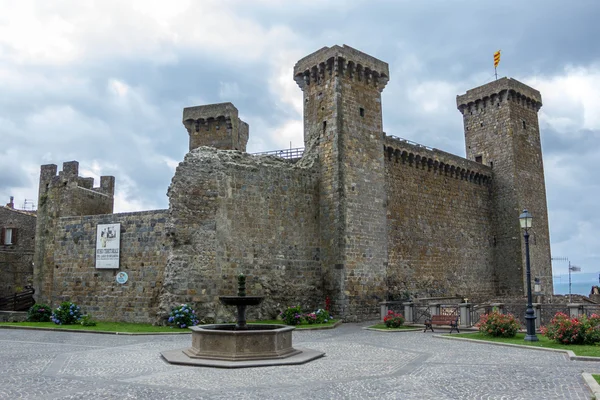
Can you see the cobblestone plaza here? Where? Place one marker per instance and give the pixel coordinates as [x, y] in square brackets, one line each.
[358, 364]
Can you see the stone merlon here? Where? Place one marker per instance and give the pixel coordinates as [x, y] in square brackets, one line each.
[210, 111]
[504, 88]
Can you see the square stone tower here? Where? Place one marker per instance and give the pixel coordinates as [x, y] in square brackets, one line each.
[502, 131]
[215, 125]
[63, 194]
[343, 126]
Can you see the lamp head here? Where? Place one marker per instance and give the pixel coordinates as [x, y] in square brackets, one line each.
[525, 219]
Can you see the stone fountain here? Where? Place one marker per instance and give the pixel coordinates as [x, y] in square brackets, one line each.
[241, 345]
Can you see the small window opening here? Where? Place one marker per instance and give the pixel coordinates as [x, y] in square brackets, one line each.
[491, 164]
[481, 124]
[524, 124]
[479, 159]
[324, 126]
[8, 236]
[362, 112]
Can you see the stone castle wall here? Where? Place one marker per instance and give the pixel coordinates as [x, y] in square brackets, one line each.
[143, 255]
[440, 233]
[61, 194]
[235, 213]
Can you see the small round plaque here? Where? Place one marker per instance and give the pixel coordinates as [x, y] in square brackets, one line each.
[122, 277]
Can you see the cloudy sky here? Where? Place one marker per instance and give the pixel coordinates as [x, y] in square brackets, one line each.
[104, 83]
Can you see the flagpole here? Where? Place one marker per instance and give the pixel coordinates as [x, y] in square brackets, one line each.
[570, 282]
[496, 72]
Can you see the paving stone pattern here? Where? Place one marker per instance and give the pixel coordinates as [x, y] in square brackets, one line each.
[359, 364]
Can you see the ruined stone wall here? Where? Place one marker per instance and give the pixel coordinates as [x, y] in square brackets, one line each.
[143, 256]
[234, 213]
[16, 260]
[440, 240]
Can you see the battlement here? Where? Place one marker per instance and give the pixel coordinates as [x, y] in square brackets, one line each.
[341, 61]
[497, 92]
[436, 161]
[216, 125]
[69, 177]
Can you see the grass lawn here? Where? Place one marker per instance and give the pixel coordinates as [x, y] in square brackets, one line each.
[330, 323]
[597, 378]
[101, 326]
[579, 349]
[401, 328]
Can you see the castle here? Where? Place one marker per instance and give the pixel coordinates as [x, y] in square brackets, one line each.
[359, 217]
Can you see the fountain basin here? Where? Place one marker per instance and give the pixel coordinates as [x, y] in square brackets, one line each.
[258, 342]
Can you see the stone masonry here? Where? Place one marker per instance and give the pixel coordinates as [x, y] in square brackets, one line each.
[16, 254]
[502, 131]
[360, 218]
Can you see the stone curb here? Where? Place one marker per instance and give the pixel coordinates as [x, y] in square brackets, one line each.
[569, 353]
[592, 384]
[367, 328]
[34, 328]
[320, 327]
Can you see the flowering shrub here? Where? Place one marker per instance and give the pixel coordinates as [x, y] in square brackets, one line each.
[323, 316]
[310, 318]
[39, 313]
[292, 316]
[497, 324]
[393, 320]
[66, 314]
[295, 316]
[581, 330]
[183, 316]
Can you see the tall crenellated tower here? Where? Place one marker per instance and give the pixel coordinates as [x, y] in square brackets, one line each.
[343, 126]
[502, 131]
[215, 125]
[62, 195]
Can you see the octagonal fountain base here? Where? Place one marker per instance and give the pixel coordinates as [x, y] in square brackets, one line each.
[220, 345]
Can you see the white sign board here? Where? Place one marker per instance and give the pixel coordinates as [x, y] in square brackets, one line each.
[108, 240]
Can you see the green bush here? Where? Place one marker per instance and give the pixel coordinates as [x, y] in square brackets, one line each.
[499, 325]
[292, 316]
[39, 313]
[87, 320]
[66, 314]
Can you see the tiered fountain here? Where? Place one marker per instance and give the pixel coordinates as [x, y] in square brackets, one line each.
[241, 345]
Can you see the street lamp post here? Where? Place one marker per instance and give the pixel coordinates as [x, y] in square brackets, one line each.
[525, 219]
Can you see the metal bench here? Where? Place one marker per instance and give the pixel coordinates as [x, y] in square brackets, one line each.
[451, 320]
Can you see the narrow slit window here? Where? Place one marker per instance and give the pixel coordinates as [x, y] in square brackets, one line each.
[524, 124]
[362, 112]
